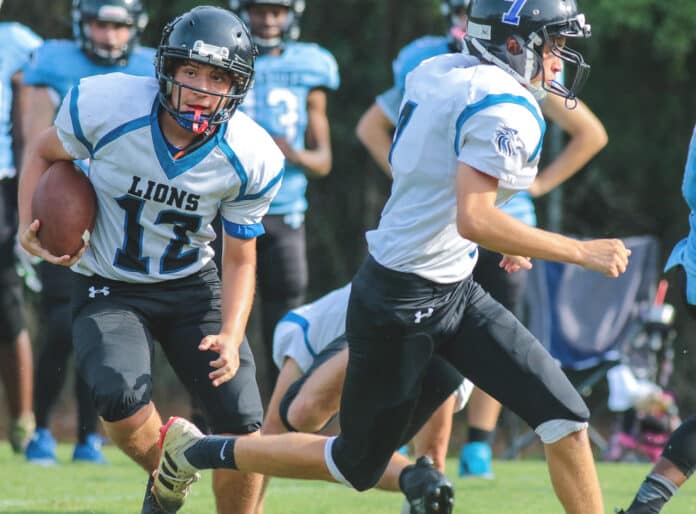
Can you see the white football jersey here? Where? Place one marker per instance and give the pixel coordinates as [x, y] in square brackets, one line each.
[154, 212]
[305, 331]
[455, 109]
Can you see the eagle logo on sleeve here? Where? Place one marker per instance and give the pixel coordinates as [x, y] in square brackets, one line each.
[508, 141]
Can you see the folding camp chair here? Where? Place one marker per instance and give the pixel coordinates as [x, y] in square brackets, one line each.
[585, 320]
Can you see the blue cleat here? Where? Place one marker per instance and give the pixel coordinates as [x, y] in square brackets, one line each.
[42, 448]
[90, 451]
[475, 461]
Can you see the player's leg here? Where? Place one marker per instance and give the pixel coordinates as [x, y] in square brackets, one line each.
[312, 400]
[272, 423]
[16, 360]
[497, 353]
[233, 408]
[282, 277]
[51, 371]
[433, 438]
[483, 410]
[113, 352]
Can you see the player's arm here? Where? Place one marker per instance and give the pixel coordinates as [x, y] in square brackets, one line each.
[374, 130]
[39, 155]
[587, 138]
[238, 282]
[316, 159]
[479, 220]
[37, 112]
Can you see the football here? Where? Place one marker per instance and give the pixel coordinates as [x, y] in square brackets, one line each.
[65, 203]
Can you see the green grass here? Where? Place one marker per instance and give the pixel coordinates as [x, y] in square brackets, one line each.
[520, 487]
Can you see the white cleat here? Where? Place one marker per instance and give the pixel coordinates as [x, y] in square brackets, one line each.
[175, 474]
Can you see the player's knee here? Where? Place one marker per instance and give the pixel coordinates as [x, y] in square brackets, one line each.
[114, 404]
[359, 468]
[309, 414]
[553, 431]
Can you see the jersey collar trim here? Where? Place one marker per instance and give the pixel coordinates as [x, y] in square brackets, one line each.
[175, 167]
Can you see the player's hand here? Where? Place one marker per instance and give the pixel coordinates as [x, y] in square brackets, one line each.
[513, 263]
[608, 256]
[289, 152]
[29, 240]
[227, 364]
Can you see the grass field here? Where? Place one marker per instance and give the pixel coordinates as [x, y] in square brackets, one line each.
[520, 487]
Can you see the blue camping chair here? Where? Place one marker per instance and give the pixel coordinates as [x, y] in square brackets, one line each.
[587, 321]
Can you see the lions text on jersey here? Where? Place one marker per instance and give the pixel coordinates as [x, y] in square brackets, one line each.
[154, 212]
[17, 44]
[455, 109]
[60, 64]
[304, 332]
[278, 102]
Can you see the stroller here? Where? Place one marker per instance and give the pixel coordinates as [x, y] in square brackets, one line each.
[638, 387]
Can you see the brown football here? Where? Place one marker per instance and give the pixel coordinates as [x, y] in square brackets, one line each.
[65, 203]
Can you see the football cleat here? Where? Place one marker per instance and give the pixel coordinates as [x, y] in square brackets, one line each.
[42, 448]
[427, 490]
[175, 474]
[642, 508]
[475, 461]
[90, 450]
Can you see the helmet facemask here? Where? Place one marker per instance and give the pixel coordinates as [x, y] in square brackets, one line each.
[226, 103]
[84, 13]
[524, 59]
[290, 31]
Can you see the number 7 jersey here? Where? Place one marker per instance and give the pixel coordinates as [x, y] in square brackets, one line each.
[154, 212]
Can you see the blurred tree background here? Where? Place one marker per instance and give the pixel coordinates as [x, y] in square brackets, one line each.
[642, 86]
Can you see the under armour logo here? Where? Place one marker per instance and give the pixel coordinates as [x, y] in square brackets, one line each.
[93, 291]
[420, 314]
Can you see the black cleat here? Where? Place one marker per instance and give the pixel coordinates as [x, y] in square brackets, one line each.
[652, 507]
[150, 505]
[427, 490]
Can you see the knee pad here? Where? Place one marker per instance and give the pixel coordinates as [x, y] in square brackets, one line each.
[556, 429]
[361, 474]
[681, 447]
[117, 404]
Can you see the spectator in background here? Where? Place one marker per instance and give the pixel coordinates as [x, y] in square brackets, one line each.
[678, 460]
[16, 361]
[289, 100]
[106, 40]
[587, 137]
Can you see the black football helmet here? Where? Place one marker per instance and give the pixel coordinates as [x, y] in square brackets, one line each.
[127, 12]
[454, 12]
[493, 24]
[290, 32]
[208, 35]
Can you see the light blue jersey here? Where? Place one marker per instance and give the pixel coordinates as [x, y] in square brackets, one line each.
[60, 64]
[520, 205]
[278, 102]
[684, 253]
[17, 44]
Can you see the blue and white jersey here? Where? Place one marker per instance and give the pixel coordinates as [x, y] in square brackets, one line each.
[455, 109]
[305, 331]
[520, 205]
[684, 253]
[154, 212]
[59, 64]
[278, 102]
[17, 44]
